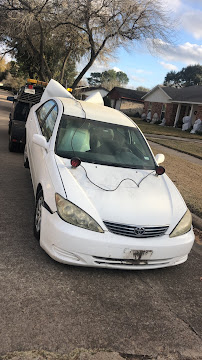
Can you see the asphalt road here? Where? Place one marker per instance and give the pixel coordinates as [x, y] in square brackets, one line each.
[55, 307]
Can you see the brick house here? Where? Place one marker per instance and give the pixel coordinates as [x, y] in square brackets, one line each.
[127, 100]
[174, 103]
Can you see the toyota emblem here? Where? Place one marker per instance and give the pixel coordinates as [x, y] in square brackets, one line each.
[138, 231]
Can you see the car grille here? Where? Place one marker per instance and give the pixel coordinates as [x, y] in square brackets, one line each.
[136, 231]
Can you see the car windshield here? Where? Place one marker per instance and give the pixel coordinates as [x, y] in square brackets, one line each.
[103, 143]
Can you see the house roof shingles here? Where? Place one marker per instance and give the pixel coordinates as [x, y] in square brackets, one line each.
[186, 94]
[128, 94]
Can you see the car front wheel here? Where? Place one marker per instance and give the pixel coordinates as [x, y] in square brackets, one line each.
[38, 214]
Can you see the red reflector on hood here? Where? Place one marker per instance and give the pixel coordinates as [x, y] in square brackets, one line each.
[160, 170]
[75, 162]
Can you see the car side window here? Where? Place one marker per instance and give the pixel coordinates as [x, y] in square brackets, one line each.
[49, 123]
[43, 111]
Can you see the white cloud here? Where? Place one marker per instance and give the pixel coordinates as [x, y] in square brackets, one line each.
[140, 71]
[116, 69]
[186, 53]
[192, 23]
[174, 5]
[186, 15]
[168, 66]
[138, 79]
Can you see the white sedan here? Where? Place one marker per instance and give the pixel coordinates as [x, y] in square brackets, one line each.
[101, 197]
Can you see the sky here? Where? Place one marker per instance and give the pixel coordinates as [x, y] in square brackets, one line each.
[147, 69]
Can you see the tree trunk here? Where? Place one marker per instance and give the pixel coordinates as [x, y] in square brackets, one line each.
[94, 55]
[82, 73]
[44, 68]
[63, 65]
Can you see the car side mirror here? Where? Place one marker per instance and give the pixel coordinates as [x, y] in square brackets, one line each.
[40, 140]
[159, 158]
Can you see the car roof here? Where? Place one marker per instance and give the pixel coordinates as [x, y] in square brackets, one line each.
[96, 112]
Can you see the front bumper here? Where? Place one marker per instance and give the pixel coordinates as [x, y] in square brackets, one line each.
[69, 244]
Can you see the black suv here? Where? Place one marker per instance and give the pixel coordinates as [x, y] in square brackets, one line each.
[28, 95]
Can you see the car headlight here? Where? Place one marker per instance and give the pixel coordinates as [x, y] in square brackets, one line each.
[183, 226]
[74, 215]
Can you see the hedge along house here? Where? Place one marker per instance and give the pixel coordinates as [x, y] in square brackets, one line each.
[126, 100]
[174, 103]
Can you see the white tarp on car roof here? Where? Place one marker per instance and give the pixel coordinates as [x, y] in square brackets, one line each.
[95, 98]
[54, 89]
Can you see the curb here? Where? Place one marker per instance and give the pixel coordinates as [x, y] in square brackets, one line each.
[197, 221]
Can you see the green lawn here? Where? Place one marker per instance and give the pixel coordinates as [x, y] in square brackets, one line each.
[147, 128]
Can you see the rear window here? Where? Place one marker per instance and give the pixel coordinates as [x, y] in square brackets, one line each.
[103, 143]
[21, 111]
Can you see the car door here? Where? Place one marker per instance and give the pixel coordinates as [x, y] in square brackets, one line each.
[45, 118]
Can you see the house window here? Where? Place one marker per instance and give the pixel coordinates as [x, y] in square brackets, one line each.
[163, 110]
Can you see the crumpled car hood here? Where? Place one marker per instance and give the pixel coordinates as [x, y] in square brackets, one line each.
[121, 195]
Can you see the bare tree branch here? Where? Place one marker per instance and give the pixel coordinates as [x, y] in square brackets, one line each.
[95, 28]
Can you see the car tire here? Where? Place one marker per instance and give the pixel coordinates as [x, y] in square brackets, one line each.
[38, 214]
[11, 145]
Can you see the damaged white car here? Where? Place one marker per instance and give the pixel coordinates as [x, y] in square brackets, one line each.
[101, 197]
